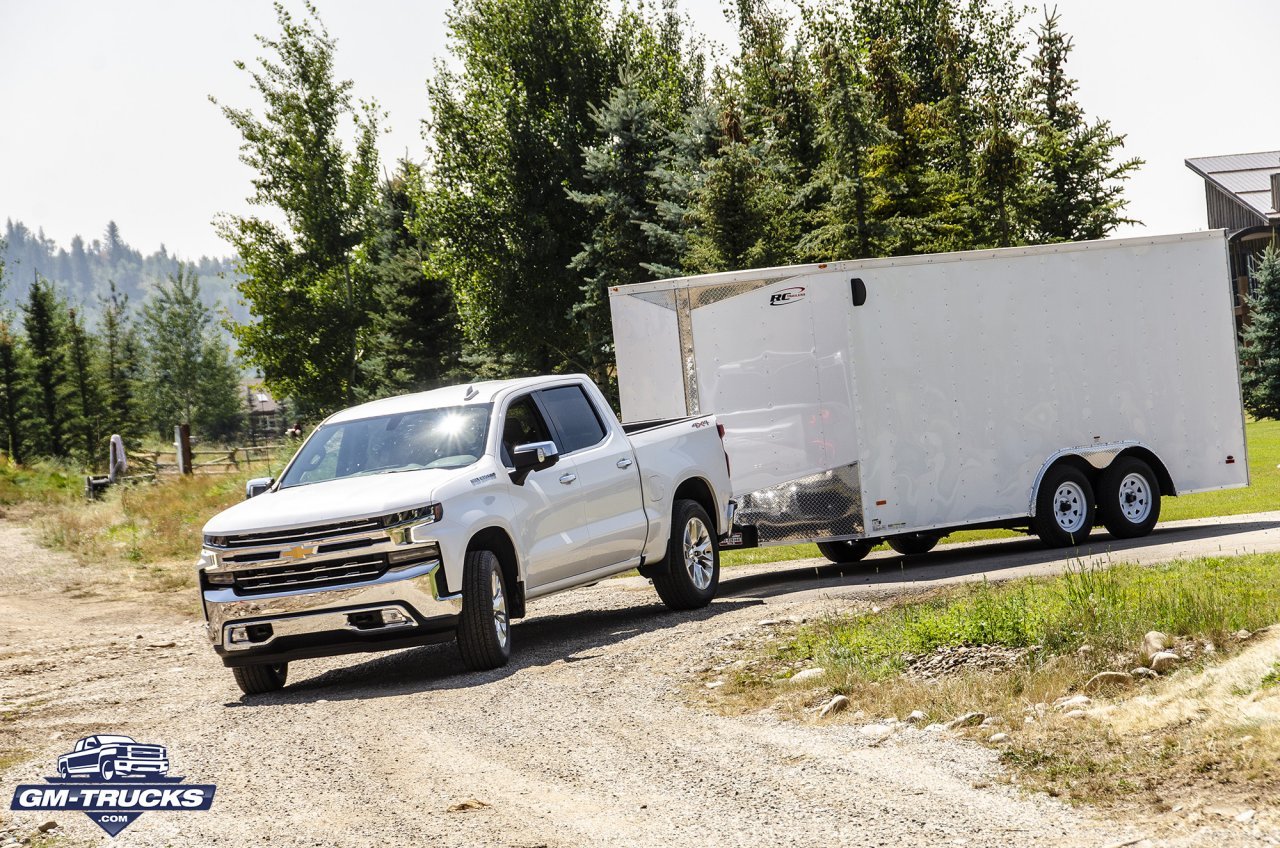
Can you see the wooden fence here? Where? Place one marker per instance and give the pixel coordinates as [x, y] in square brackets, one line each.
[224, 461]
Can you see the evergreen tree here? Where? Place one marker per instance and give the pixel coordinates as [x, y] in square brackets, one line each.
[618, 251]
[1260, 353]
[189, 378]
[86, 410]
[1077, 184]
[677, 179]
[43, 322]
[121, 367]
[221, 410]
[13, 390]
[842, 225]
[13, 382]
[743, 216]
[305, 283]
[413, 340]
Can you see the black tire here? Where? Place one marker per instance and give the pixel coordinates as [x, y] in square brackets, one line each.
[484, 628]
[851, 550]
[262, 678]
[107, 768]
[1064, 507]
[1129, 498]
[688, 577]
[913, 544]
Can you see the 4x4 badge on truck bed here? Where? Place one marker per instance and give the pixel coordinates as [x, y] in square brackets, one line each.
[113, 779]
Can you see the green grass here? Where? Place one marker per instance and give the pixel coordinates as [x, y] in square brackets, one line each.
[1263, 494]
[1109, 609]
[44, 481]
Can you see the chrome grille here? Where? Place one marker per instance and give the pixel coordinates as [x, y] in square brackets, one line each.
[315, 575]
[302, 534]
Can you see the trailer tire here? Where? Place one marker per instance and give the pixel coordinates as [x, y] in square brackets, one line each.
[484, 628]
[914, 544]
[1129, 498]
[851, 550]
[688, 577]
[261, 678]
[1064, 507]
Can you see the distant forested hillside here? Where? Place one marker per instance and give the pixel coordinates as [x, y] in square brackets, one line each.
[83, 271]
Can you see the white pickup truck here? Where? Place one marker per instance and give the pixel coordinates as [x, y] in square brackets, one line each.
[413, 519]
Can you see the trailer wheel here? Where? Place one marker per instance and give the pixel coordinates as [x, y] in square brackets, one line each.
[688, 577]
[261, 678]
[850, 550]
[484, 628]
[1129, 498]
[1064, 507]
[914, 544]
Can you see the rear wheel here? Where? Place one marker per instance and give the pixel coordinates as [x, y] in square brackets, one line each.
[688, 578]
[1064, 507]
[851, 550]
[913, 544]
[484, 629]
[1129, 498]
[261, 678]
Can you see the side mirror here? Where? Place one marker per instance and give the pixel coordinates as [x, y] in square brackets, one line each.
[257, 486]
[531, 457]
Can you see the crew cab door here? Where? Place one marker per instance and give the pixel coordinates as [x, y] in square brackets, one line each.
[548, 512]
[608, 477]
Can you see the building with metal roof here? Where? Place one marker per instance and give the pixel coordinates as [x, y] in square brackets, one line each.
[1242, 196]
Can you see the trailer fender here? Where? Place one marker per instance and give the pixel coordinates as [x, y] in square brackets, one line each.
[1094, 458]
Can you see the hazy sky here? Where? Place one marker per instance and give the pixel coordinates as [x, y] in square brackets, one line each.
[106, 116]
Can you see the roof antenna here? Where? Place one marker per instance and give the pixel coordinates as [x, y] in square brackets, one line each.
[472, 391]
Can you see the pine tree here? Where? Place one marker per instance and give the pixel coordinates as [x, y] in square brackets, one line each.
[85, 415]
[121, 367]
[189, 378]
[618, 250]
[14, 392]
[221, 411]
[413, 340]
[1260, 353]
[43, 323]
[1077, 191]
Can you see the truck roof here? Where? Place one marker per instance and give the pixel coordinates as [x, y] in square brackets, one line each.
[464, 394]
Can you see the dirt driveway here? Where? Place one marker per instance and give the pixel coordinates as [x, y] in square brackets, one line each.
[596, 734]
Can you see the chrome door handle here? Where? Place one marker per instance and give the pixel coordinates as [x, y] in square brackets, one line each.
[624, 463]
[568, 478]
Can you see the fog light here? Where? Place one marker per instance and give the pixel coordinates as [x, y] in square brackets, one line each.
[220, 578]
[393, 616]
[238, 634]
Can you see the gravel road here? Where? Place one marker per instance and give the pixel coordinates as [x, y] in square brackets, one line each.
[597, 733]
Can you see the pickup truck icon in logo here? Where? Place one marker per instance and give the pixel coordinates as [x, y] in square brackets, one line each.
[111, 757]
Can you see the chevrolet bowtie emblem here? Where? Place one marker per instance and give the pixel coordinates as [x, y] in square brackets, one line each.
[300, 552]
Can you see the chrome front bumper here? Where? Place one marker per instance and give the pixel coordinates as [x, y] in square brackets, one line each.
[398, 607]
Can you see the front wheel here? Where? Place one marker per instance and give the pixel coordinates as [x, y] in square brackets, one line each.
[689, 576]
[913, 544]
[846, 551]
[1064, 507]
[1129, 498]
[484, 629]
[107, 769]
[261, 678]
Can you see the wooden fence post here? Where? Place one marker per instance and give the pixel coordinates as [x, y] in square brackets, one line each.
[182, 442]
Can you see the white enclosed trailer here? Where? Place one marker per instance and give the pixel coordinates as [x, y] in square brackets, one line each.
[1047, 388]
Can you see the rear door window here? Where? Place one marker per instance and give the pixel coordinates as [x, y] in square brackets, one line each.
[573, 417]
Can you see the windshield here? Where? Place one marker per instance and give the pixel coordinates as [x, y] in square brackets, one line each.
[450, 437]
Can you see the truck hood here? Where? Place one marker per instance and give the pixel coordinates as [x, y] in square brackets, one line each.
[347, 499]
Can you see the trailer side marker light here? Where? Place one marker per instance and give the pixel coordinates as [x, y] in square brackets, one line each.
[881, 503]
[1231, 460]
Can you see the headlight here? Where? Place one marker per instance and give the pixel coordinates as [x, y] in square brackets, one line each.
[424, 514]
